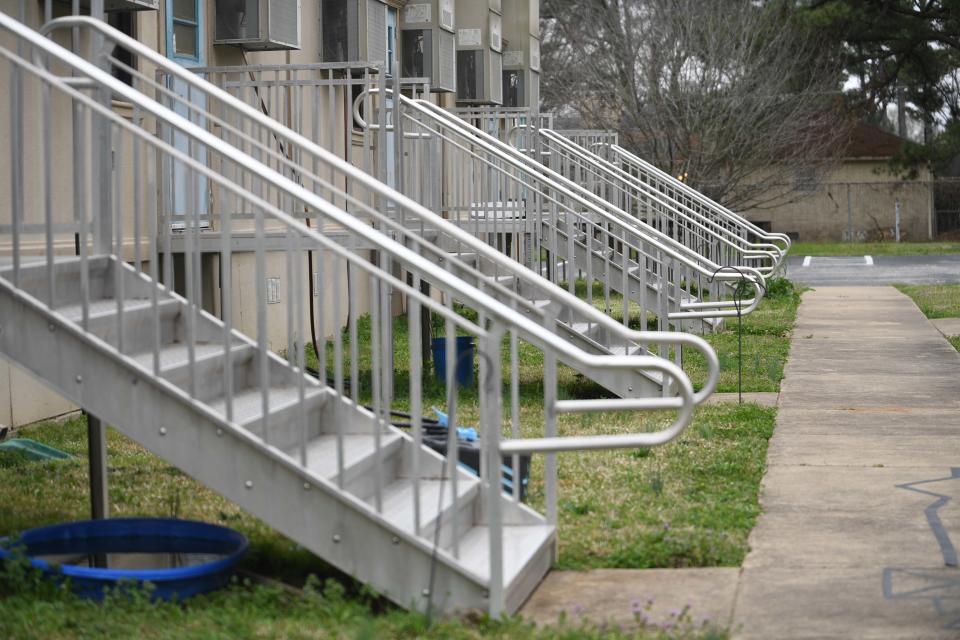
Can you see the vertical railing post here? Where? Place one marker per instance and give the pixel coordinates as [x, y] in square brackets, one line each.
[550, 422]
[97, 463]
[103, 169]
[491, 387]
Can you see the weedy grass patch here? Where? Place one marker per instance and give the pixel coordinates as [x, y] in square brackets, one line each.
[829, 249]
[934, 300]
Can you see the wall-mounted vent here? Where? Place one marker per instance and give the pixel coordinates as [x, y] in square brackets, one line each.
[496, 31]
[496, 78]
[446, 78]
[258, 24]
[447, 14]
[273, 290]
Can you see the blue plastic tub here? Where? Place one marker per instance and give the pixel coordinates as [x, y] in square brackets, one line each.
[134, 550]
[463, 373]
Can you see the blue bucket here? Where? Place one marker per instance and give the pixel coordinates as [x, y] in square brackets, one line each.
[210, 553]
[464, 370]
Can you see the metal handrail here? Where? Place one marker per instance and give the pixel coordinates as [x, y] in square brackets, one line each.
[586, 199]
[576, 192]
[492, 306]
[632, 159]
[619, 179]
[410, 206]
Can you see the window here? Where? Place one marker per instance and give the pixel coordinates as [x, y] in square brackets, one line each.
[185, 41]
[391, 38]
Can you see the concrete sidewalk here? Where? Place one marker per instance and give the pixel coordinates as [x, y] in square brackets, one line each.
[861, 499]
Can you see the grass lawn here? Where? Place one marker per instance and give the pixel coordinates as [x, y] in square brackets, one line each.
[766, 344]
[936, 301]
[802, 249]
[766, 339]
[691, 503]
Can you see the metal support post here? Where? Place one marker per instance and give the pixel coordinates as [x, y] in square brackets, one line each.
[97, 454]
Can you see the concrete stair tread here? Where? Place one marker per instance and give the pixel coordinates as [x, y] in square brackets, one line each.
[357, 448]
[520, 544]
[106, 307]
[397, 500]
[177, 354]
[248, 407]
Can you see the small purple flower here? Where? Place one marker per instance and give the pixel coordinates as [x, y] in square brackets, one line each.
[636, 606]
[579, 609]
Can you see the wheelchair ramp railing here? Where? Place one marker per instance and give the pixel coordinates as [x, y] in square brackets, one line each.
[677, 191]
[725, 240]
[487, 173]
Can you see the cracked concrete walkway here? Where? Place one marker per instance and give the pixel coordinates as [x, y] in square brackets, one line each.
[861, 499]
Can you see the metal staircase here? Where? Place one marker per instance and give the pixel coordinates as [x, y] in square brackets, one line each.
[245, 113]
[119, 210]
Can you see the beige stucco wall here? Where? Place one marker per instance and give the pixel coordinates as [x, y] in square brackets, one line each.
[872, 194]
[23, 399]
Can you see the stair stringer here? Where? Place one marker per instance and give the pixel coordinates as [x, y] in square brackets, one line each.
[237, 464]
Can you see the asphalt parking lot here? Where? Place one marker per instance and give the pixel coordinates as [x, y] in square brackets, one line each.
[874, 270]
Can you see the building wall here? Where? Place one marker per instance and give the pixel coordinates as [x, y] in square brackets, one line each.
[24, 399]
[856, 201]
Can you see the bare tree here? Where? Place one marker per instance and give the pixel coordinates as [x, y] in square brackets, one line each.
[737, 96]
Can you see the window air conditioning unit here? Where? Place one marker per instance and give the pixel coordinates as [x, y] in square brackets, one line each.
[427, 44]
[479, 76]
[258, 24]
[470, 85]
[353, 31]
[521, 89]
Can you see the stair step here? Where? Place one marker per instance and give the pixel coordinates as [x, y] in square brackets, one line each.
[107, 308]
[397, 501]
[359, 453]
[623, 350]
[176, 355]
[248, 404]
[520, 545]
